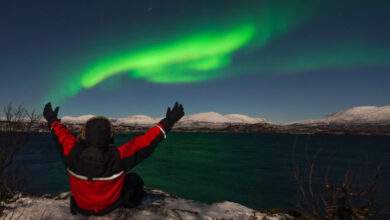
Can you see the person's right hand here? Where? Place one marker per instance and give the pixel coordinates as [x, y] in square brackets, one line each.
[174, 115]
[49, 114]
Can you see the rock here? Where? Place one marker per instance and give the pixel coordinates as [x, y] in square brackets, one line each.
[64, 195]
[156, 205]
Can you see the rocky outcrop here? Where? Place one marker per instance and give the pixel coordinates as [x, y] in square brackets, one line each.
[156, 205]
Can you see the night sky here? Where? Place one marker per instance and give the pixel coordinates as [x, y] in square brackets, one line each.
[284, 61]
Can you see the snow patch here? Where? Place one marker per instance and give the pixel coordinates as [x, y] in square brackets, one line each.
[156, 205]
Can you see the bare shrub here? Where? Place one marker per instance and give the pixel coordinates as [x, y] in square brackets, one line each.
[323, 195]
[15, 125]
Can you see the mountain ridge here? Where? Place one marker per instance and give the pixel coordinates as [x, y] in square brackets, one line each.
[361, 120]
[205, 117]
[355, 115]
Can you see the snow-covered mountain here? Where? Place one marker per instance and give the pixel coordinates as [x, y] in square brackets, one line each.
[357, 115]
[76, 119]
[207, 117]
[137, 119]
[237, 118]
[216, 118]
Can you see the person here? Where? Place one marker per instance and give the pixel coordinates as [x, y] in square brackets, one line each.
[99, 173]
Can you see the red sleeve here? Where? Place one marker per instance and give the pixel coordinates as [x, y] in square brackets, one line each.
[149, 139]
[65, 138]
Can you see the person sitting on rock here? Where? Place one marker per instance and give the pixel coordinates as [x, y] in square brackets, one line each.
[99, 173]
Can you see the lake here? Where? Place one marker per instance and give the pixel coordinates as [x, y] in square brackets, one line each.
[251, 169]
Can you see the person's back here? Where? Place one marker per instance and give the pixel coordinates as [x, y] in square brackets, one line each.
[99, 173]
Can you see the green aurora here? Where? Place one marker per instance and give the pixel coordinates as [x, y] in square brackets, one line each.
[202, 54]
[209, 52]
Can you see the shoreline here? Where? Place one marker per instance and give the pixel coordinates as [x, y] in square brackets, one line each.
[260, 128]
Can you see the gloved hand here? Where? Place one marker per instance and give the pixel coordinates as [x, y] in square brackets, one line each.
[173, 116]
[49, 114]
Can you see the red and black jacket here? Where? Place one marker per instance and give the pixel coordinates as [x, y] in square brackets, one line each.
[97, 184]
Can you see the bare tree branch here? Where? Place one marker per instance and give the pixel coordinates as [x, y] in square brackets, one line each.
[354, 197]
[16, 125]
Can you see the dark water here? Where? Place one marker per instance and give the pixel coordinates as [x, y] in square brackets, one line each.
[251, 169]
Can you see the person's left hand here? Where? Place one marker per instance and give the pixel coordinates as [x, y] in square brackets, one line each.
[49, 114]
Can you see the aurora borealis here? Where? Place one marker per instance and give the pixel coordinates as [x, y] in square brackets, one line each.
[86, 51]
[167, 63]
[200, 55]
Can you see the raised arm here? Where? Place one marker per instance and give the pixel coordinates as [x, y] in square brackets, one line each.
[141, 147]
[64, 137]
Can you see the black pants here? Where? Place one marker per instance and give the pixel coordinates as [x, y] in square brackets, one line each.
[132, 194]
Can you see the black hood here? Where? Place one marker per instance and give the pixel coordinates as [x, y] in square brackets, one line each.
[97, 132]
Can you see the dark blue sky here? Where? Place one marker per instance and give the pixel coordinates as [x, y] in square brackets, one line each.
[334, 59]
